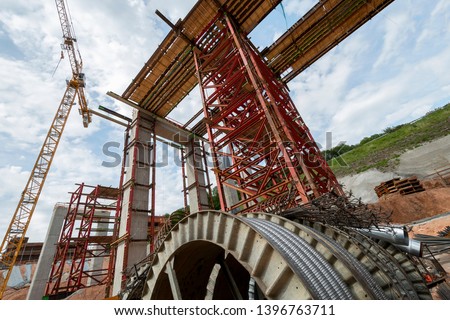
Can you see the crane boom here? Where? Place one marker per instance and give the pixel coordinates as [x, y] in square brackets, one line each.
[70, 45]
[15, 235]
[69, 38]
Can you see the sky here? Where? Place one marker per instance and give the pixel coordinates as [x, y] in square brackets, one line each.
[392, 70]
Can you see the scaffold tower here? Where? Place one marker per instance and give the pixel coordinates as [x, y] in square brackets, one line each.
[251, 120]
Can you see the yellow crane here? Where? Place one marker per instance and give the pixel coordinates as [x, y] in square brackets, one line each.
[15, 234]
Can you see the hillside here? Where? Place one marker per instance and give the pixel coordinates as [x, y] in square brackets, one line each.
[384, 150]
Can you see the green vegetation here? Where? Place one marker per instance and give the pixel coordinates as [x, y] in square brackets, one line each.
[215, 198]
[382, 151]
[180, 213]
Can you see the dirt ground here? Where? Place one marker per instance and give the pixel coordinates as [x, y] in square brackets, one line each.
[15, 294]
[91, 293]
[430, 226]
[413, 207]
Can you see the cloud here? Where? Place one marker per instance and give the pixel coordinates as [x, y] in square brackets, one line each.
[396, 30]
[23, 102]
[298, 8]
[191, 104]
[113, 50]
[172, 9]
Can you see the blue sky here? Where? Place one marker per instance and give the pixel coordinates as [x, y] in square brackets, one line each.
[392, 70]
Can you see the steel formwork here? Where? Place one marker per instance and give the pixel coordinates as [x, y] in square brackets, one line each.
[252, 120]
[81, 240]
[137, 193]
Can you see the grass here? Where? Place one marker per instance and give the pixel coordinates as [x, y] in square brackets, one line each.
[383, 153]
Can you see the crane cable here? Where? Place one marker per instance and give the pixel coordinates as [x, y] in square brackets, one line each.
[61, 57]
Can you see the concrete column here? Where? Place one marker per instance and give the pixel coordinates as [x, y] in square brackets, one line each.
[230, 194]
[138, 210]
[44, 265]
[196, 179]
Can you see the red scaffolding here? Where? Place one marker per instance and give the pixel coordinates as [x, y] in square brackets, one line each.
[252, 121]
[138, 177]
[87, 233]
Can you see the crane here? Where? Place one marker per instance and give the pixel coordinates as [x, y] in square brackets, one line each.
[15, 234]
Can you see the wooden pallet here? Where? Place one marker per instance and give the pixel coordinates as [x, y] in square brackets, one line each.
[386, 187]
[397, 185]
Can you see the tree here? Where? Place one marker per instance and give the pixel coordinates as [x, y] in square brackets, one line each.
[215, 198]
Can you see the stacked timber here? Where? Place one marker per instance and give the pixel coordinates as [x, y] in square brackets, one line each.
[397, 185]
[386, 187]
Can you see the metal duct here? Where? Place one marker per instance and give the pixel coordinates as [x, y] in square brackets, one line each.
[414, 247]
[396, 236]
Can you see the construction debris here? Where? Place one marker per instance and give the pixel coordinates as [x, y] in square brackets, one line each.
[444, 232]
[337, 210]
[397, 185]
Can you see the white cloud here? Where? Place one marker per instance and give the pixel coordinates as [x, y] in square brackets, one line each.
[191, 104]
[115, 39]
[298, 8]
[396, 29]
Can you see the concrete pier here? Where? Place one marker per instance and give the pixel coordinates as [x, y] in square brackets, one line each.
[39, 282]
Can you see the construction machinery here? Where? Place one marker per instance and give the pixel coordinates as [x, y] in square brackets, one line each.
[15, 234]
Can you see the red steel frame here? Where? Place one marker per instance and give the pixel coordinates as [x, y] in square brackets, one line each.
[252, 120]
[77, 248]
[115, 237]
[62, 248]
[184, 177]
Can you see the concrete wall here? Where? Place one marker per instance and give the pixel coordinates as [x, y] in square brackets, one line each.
[37, 288]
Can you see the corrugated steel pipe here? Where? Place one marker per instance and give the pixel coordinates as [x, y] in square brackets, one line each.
[368, 279]
[316, 272]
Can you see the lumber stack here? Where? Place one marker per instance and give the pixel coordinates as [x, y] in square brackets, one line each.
[397, 185]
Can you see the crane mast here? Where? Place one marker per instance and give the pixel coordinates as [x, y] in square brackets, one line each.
[15, 234]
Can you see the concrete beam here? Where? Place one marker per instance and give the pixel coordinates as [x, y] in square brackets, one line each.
[164, 128]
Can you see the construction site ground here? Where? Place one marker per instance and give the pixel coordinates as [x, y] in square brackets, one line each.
[427, 224]
[426, 212]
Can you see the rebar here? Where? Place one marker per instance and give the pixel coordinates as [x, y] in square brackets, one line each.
[336, 210]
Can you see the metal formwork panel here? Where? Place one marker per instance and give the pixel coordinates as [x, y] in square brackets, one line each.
[78, 242]
[63, 245]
